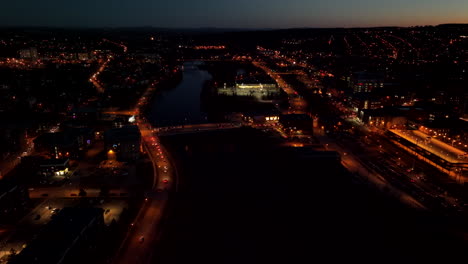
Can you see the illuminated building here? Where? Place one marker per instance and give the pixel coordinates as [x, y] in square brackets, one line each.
[124, 141]
[29, 54]
[365, 82]
[207, 47]
[360, 101]
[84, 56]
[262, 117]
[450, 131]
[388, 117]
[297, 122]
[258, 90]
[54, 167]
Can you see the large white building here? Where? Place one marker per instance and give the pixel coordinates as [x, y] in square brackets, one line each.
[260, 91]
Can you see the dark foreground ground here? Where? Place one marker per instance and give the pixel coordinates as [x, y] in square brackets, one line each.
[241, 200]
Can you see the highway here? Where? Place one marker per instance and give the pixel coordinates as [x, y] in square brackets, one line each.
[142, 236]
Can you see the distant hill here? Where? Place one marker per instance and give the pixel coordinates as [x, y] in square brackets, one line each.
[453, 25]
[135, 29]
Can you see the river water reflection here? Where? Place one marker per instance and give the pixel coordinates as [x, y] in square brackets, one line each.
[181, 105]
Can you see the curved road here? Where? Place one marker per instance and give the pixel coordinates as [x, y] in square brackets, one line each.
[142, 236]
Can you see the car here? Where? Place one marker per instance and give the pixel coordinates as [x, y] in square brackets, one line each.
[142, 238]
[107, 211]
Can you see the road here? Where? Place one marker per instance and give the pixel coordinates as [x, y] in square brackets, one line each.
[70, 192]
[143, 233]
[10, 162]
[297, 104]
[94, 78]
[195, 128]
[25, 230]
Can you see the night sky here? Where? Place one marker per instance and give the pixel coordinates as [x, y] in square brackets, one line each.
[232, 13]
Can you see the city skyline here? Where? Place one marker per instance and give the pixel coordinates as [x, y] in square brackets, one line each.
[229, 14]
[233, 131]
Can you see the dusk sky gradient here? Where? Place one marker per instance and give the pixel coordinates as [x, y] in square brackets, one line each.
[233, 13]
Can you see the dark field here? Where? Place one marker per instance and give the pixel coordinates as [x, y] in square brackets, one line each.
[243, 200]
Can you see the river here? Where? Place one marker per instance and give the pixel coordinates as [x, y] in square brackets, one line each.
[182, 104]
